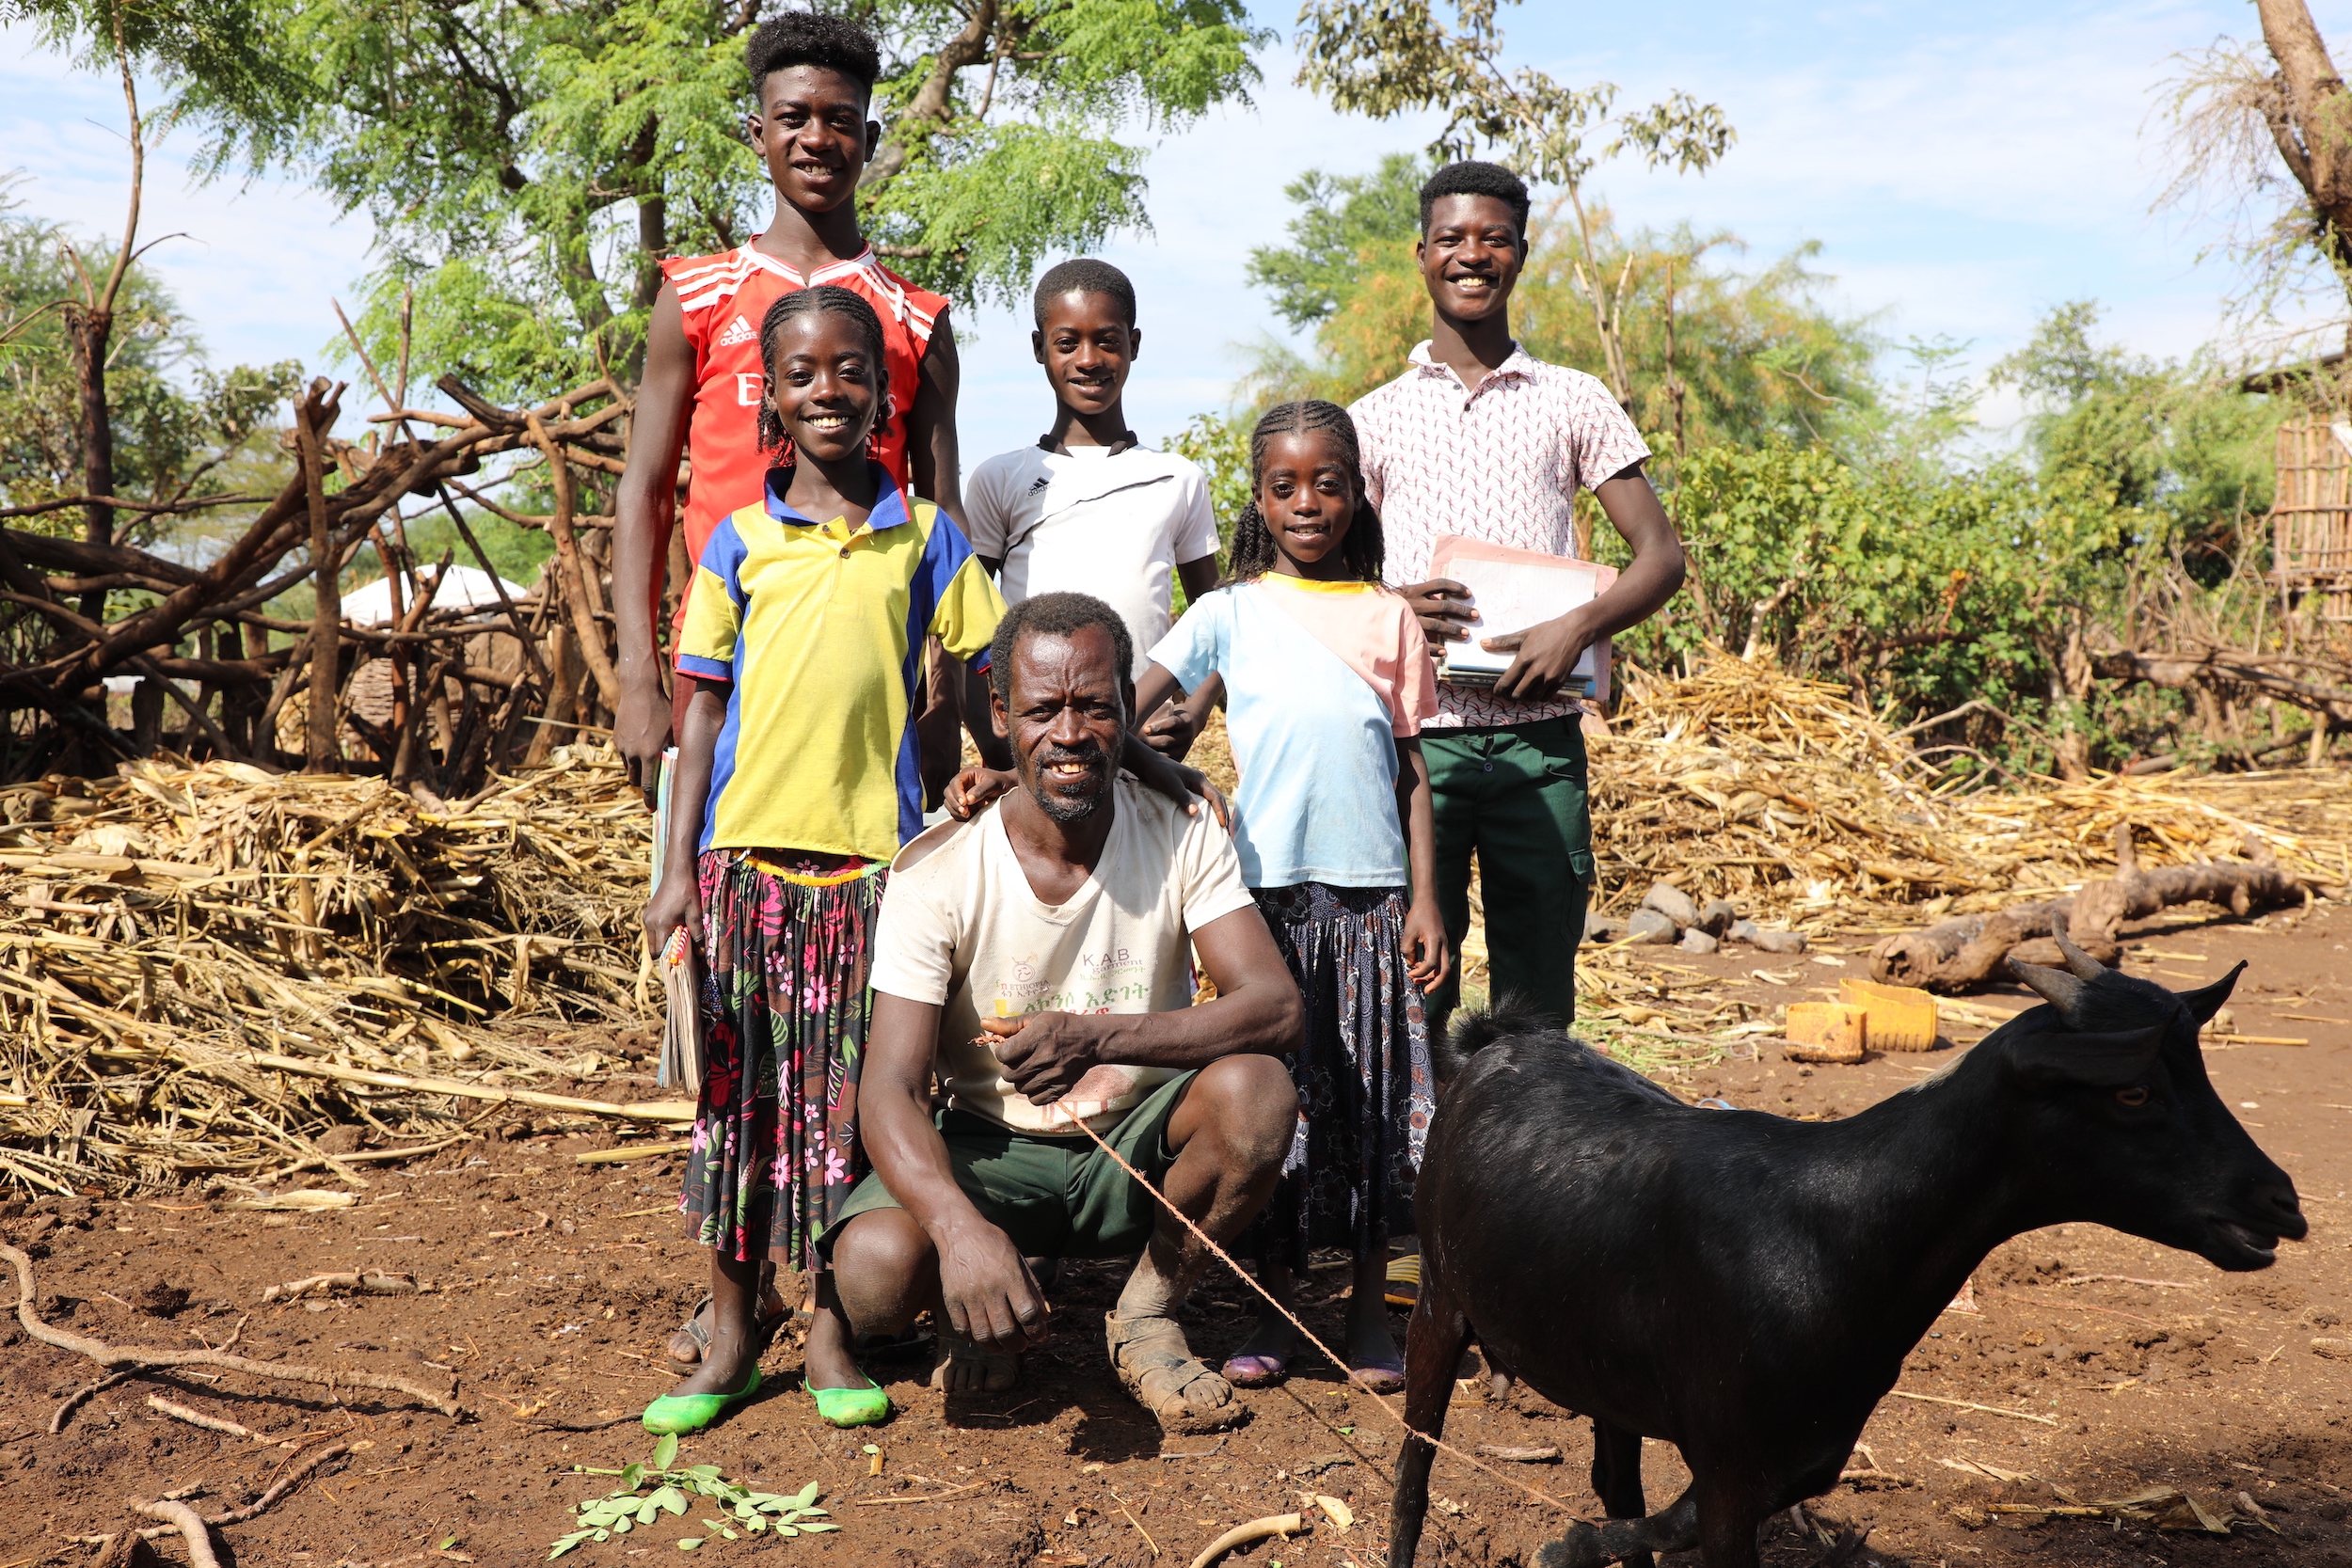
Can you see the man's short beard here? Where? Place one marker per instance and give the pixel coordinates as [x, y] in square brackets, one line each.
[1064, 809]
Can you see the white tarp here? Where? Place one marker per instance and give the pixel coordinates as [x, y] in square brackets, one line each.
[459, 588]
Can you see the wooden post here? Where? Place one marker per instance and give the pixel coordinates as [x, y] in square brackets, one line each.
[571, 578]
[322, 739]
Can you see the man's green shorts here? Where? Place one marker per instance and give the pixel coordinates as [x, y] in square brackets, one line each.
[1057, 1197]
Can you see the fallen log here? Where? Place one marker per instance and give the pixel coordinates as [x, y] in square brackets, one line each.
[1975, 950]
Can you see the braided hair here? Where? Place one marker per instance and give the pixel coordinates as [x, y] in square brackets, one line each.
[1254, 553]
[821, 299]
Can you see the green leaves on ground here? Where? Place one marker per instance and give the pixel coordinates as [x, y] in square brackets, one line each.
[630, 1506]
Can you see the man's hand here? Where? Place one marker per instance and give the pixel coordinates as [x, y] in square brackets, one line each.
[1547, 656]
[1445, 610]
[1045, 1054]
[975, 787]
[991, 1298]
[641, 732]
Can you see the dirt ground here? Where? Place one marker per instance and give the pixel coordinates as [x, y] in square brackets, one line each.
[2112, 1365]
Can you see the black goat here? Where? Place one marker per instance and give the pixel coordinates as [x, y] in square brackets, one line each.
[1746, 1287]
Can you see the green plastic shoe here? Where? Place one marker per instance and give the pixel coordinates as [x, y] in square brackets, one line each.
[852, 1407]
[680, 1413]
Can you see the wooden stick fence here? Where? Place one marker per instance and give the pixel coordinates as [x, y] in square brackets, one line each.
[438, 697]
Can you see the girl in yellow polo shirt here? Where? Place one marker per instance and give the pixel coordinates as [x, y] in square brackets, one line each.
[796, 782]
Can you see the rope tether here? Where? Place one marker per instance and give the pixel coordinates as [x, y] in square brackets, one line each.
[1353, 1376]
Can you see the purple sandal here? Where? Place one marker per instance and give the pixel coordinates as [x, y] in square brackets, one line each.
[1378, 1377]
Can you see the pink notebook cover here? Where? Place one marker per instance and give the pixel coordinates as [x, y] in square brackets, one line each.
[1452, 547]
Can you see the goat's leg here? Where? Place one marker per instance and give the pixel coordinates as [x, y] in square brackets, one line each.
[1727, 1518]
[1626, 1540]
[1617, 1478]
[1434, 1341]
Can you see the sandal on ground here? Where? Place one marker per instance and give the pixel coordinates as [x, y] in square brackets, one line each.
[905, 1343]
[1255, 1371]
[683, 1413]
[1001, 1370]
[851, 1407]
[1378, 1377]
[1154, 1365]
[1404, 1280]
[694, 1328]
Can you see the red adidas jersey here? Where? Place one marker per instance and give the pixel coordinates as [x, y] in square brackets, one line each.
[722, 299]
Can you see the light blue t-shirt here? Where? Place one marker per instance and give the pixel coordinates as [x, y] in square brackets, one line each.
[1322, 678]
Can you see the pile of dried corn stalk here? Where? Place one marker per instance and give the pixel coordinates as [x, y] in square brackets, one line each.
[172, 932]
[1744, 782]
[208, 968]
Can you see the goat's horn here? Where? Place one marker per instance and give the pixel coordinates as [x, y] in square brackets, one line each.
[2057, 987]
[2083, 964]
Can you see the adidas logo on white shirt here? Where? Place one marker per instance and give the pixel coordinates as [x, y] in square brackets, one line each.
[1040, 483]
[738, 331]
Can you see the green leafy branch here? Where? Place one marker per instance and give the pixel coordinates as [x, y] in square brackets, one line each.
[744, 1511]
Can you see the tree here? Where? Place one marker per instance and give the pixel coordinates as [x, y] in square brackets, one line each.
[211, 45]
[178, 429]
[1384, 57]
[2241, 115]
[1714, 354]
[2179, 443]
[527, 166]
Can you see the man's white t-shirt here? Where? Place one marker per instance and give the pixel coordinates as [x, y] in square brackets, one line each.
[1116, 525]
[962, 929]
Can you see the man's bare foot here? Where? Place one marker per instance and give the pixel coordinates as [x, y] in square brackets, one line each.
[1158, 1368]
[964, 1367]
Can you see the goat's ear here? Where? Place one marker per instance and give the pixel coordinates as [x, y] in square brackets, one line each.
[2206, 1001]
[2102, 1061]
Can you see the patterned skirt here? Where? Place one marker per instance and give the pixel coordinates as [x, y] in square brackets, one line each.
[785, 1011]
[1363, 1073]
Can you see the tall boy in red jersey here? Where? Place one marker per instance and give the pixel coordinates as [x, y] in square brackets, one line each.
[813, 78]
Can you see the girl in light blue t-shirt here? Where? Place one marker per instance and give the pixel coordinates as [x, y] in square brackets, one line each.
[1327, 678]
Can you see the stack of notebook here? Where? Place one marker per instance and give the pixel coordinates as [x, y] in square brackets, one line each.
[1512, 591]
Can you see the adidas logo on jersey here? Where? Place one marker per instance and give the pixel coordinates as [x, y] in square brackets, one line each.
[1040, 483]
[738, 331]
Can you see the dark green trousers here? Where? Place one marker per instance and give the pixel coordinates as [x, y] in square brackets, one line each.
[1517, 799]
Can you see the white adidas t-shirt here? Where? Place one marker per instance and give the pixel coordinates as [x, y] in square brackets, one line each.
[1088, 521]
[962, 929]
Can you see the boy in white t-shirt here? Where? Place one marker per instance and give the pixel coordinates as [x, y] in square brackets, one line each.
[1089, 508]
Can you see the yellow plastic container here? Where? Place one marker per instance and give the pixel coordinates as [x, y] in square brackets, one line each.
[1902, 1018]
[1827, 1032]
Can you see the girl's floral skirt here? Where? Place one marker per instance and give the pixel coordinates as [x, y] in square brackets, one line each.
[785, 1011]
[1363, 1072]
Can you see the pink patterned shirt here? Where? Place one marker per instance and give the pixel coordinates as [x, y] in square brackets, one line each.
[1502, 462]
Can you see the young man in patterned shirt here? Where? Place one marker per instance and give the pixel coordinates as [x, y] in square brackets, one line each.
[1480, 439]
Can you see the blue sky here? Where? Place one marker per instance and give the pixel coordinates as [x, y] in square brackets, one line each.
[1962, 168]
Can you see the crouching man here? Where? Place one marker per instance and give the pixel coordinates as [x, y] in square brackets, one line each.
[1037, 957]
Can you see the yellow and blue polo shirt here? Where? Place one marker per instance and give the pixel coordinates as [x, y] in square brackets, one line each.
[818, 628]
